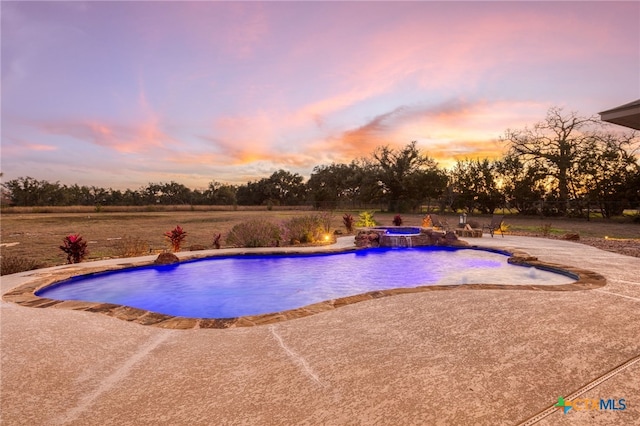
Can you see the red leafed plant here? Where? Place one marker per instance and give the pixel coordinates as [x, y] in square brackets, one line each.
[75, 248]
[397, 220]
[176, 236]
[348, 220]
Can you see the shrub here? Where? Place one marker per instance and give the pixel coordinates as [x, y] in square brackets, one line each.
[504, 227]
[365, 220]
[348, 221]
[397, 220]
[176, 236]
[15, 264]
[304, 229]
[216, 240]
[255, 233]
[75, 248]
[545, 229]
[326, 218]
[130, 247]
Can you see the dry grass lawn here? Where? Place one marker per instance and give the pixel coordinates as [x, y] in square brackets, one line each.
[37, 236]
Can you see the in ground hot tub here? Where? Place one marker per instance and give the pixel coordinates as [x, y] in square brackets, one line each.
[400, 230]
[398, 236]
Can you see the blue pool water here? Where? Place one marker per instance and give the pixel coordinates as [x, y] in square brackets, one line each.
[400, 230]
[232, 286]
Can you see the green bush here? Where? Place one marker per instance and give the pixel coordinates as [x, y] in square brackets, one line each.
[365, 220]
[255, 233]
[14, 264]
[305, 229]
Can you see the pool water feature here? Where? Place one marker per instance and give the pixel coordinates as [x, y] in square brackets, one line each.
[398, 236]
[234, 286]
[398, 241]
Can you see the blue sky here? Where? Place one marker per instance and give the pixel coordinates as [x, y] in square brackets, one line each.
[119, 94]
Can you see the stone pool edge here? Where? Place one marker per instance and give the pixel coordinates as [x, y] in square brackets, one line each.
[24, 294]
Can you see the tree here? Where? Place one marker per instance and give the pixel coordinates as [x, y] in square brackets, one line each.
[175, 193]
[27, 191]
[425, 185]
[335, 184]
[581, 161]
[406, 176]
[252, 193]
[555, 145]
[474, 186]
[286, 188]
[522, 186]
[133, 198]
[281, 188]
[166, 193]
[220, 194]
[609, 172]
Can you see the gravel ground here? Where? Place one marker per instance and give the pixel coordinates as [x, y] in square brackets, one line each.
[627, 247]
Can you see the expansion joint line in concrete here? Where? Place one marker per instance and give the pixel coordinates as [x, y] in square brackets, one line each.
[296, 358]
[586, 388]
[108, 383]
[599, 290]
[624, 281]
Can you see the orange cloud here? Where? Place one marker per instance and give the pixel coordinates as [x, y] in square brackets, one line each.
[452, 130]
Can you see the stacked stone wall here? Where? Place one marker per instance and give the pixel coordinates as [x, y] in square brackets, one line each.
[428, 237]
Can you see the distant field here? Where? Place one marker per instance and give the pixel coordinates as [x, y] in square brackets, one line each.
[36, 236]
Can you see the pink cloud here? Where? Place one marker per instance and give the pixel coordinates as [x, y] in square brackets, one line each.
[242, 139]
[120, 138]
[41, 147]
[264, 85]
[460, 53]
[386, 58]
[317, 110]
[448, 131]
[19, 146]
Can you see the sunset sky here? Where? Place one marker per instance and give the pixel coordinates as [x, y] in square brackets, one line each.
[120, 94]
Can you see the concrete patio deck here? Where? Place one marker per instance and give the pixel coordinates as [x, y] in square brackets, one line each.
[445, 357]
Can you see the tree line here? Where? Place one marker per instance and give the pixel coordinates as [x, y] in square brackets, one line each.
[565, 164]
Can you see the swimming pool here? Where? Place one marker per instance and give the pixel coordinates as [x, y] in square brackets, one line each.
[233, 286]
